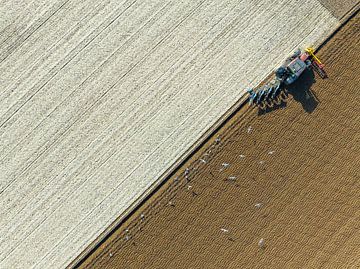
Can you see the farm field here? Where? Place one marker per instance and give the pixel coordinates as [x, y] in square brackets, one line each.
[100, 98]
[289, 177]
[340, 8]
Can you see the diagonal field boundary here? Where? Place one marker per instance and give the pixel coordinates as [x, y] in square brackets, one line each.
[208, 135]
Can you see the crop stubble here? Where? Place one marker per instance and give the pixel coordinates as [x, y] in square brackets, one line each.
[301, 163]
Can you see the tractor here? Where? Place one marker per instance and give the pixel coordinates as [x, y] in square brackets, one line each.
[287, 74]
[297, 63]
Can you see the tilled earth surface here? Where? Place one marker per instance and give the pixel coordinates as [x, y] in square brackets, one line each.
[288, 178]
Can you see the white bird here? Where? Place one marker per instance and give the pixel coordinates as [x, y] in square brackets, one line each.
[189, 187]
[249, 129]
[261, 162]
[202, 160]
[242, 156]
[261, 243]
[271, 152]
[232, 178]
[258, 205]
[110, 254]
[224, 230]
[224, 166]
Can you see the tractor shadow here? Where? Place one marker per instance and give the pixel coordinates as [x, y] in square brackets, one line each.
[301, 92]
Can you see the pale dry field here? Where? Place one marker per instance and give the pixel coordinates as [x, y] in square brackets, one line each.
[99, 98]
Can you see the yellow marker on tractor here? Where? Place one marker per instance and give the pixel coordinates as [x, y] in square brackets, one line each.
[311, 53]
[316, 63]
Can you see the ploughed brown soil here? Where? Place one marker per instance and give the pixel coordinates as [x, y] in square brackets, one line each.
[293, 180]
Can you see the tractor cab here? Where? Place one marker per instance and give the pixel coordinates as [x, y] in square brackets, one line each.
[295, 69]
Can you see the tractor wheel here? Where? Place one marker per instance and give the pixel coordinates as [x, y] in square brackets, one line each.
[296, 53]
[281, 72]
[308, 64]
[321, 72]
